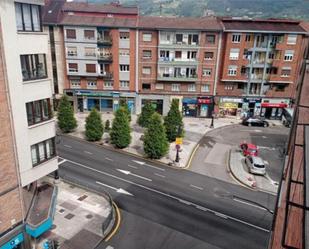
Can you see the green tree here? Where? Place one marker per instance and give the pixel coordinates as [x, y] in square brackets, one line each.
[155, 141]
[66, 119]
[127, 110]
[173, 122]
[120, 133]
[94, 126]
[107, 125]
[147, 111]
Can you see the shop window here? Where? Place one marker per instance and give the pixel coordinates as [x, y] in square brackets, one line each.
[90, 68]
[147, 37]
[28, 17]
[236, 38]
[211, 39]
[73, 67]
[147, 54]
[38, 111]
[208, 55]
[70, 33]
[43, 151]
[33, 66]
[146, 86]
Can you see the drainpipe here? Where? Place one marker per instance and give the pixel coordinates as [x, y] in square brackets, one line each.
[136, 68]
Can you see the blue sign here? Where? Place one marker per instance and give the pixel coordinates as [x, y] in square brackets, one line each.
[13, 242]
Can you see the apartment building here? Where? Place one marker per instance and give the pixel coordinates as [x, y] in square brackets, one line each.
[178, 58]
[260, 64]
[291, 220]
[28, 136]
[98, 53]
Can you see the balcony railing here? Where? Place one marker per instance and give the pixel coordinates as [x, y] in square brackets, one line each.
[106, 75]
[171, 60]
[104, 57]
[172, 77]
[105, 41]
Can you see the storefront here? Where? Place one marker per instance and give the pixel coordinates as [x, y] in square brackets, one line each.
[273, 108]
[205, 107]
[157, 104]
[230, 107]
[189, 107]
[251, 107]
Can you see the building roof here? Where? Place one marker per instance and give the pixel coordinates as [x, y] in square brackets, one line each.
[112, 8]
[51, 11]
[262, 25]
[190, 23]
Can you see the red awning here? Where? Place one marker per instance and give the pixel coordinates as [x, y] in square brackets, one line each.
[204, 101]
[275, 105]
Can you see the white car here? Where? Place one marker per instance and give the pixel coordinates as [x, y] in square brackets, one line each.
[256, 165]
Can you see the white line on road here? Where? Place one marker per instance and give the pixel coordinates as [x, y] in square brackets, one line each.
[88, 152]
[68, 146]
[148, 165]
[118, 190]
[165, 194]
[250, 204]
[264, 137]
[221, 215]
[109, 159]
[131, 166]
[193, 186]
[126, 172]
[63, 161]
[159, 175]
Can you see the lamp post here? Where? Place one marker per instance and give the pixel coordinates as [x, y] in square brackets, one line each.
[178, 145]
[212, 120]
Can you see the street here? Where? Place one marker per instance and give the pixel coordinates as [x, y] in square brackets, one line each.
[168, 203]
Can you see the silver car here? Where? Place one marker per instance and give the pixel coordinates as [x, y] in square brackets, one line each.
[256, 165]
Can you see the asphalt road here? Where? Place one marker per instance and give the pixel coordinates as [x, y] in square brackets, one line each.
[168, 208]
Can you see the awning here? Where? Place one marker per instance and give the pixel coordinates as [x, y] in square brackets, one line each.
[274, 105]
[204, 100]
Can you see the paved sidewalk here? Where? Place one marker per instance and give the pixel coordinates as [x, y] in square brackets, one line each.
[240, 171]
[195, 129]
[79, 217]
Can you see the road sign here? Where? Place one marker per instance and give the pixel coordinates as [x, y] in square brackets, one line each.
[178, 140]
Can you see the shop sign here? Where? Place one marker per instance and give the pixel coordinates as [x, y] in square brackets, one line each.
[93, 94]
[204, 101]
[178, 140]
[13, 243]
[275, 105]
[230, 100]
[228, 105]
[189, 101]
[252, 100]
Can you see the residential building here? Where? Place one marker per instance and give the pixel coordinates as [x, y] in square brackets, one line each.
[291, 220]
[28, 128]
[260, 65]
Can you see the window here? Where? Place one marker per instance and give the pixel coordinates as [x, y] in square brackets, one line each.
[285, 72]
[91, 68]
[159, 86]
[92, 84]
[175, 87]
[147, 54]
[234, 53]
[165, 37]
[232, 70]
[147, 37]
[71, 33]
[146, 70]
[191, 88]
[243, 70]
[192, 39]
[72, 51]
[280, 87]
[208, 55]
[206, 71]
[73, 67]
[205, 88]
[191, 55]
[292, 39]
[33, 66]
[124, 52]
[248, 38]
[124, 84]
[288, 55]
[38, 111]
[211, 39]
[146, 86]
[43, 151]
[178, 54]
[240, 86]
[108, 84]
[90, 52]
[89, 34]
[28, 17]
[179, 38]
[75, 83]
[124, 68]
[228, 87]
[124, 35]
[235, 38]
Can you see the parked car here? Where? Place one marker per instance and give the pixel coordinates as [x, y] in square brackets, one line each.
[249, 149]
[255, 165]
[255, 122]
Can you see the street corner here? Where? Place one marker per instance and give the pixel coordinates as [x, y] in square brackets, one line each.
[82, 218]
[115, 225]
[241, 173]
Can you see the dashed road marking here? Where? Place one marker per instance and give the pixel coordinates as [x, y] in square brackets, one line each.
[159, 175]
[109, 159]
[131, 166]
[68, 146]
[88, 152]
[221, 215]
[193, 186]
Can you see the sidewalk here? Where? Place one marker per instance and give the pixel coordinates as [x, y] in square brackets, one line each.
[79, 218]
[195, 129]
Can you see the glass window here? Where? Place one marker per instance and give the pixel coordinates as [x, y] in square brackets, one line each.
[33, 66]
[178, 54]
[204, 88]
[124, 35]
[34, 155]
[179, 38]
[234, 53]
[75, 83]
[292, 39]
[146, 54]
[92, 83]
[210, 39]
[146, 70]
[90, 68]
[124, 68]
[288, 55]
[38, 111]
[91, 52]
[36, 17]
[124, 84]
[206, 71]
[176, 87]
[146, 86]
[19, 16]
[147, 37]
[30, 115]
[160, 86]
[71, 33]
[208, 55]
[191, 88]
[43, 151]
[232, 70]
[72, 51]
[89, 34]
[108, 84]
[27, 17]
[73, 67]
[236, 38]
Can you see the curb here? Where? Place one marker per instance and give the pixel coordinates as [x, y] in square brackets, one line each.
[117, 221]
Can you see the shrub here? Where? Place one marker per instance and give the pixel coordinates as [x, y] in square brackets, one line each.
[66, 119]
[144, 118]
[120, 133]
[94, 126]
[173, 122]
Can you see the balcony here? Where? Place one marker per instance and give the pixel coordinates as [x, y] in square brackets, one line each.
[105, 57]
[42, 210]
[104, 41]
[172, 77]
[106, 75]
[174, 44]
[256, 77]
[176, 61]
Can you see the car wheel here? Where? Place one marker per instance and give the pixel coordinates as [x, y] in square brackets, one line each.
[249, 124]
[265, 125]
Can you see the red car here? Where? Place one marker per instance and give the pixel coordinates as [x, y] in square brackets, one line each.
[249, 149]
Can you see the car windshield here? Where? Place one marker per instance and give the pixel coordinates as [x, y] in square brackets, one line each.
[259, 165]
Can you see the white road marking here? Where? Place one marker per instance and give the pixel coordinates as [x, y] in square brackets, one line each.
[109, 247]
[63, 161]
[159, 175]
[109, 159]
[221, 215]
[193, 186]
[266, 148]
[126, 172]
[118, 190]
[68, 146]
[148, 165]
[250, 204]
[88, 152]
[131, 166]
[168, 195]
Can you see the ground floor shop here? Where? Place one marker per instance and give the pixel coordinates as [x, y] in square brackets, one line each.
[197, 106]
[230, 107]
[273, 108]
[86, 100]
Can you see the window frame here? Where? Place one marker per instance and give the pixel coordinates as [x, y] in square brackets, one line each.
[37, 151]
[204, 70]
[31, 17]
[127, 86]
[147, 34]
[124, 66]
[236, 40]
[30, 61]
[32, 106]
[210, 35]
[209, 58]
[71, 38]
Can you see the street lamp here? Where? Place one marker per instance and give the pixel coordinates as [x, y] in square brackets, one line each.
[212, 120]
[178, 145]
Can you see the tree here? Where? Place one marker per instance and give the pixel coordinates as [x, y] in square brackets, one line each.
[144, 118]
[127, 110]
[155, 141]
[107, 125]
[94, 126]
[66, 119]
[120, 133]
[173, 122]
